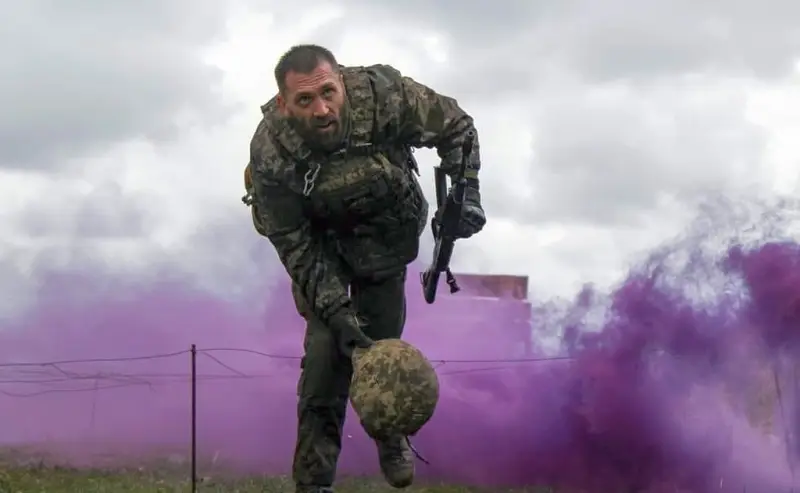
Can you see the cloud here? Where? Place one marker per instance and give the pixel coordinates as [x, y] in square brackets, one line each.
[596, 123]
[615, 154]
[615, 39]
[87, 211]
[80, 77]
[624, 40]
[612, 155]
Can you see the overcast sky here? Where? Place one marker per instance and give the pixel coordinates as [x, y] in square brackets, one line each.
[125, 129]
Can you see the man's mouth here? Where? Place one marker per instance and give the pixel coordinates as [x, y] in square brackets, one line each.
[326, 125]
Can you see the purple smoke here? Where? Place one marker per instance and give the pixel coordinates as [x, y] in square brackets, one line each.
[657, 387]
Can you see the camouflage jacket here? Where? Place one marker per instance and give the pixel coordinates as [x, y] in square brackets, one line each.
[358, 212]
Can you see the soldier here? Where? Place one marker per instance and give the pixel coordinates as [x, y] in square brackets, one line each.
[332, 185]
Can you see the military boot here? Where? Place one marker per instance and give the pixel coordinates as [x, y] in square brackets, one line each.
[397, 461]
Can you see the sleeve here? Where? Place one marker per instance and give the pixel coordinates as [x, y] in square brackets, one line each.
[432, 120]
[313, 268]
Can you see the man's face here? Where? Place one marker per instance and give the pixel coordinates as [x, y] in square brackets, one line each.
[316, 106]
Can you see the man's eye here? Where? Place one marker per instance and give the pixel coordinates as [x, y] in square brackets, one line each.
[305, 100]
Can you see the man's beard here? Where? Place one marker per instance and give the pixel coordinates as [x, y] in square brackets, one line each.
[317, 138]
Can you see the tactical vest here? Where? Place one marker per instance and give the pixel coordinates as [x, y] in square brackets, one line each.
[365, 200]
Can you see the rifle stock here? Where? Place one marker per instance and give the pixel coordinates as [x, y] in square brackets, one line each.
[445, 227]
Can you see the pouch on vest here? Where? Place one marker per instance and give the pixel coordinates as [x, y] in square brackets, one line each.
[249, 200]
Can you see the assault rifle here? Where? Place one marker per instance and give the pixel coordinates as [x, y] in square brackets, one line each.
[445, 226]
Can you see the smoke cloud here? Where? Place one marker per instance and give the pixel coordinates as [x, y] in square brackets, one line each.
[680, 377]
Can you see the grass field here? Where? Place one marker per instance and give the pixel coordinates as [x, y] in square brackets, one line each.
[31, 471]
[65, 480]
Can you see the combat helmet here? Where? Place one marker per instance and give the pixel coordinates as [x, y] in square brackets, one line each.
[394, 389]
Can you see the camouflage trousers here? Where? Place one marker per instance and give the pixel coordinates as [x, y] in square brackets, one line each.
[325, 378]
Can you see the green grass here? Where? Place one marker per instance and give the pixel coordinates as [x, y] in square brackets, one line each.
[41, 479]
[28, 470]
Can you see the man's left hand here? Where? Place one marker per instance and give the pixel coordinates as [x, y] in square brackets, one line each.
[473, 219]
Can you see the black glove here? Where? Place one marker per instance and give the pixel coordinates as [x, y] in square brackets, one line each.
[473, 219]
[349, 332]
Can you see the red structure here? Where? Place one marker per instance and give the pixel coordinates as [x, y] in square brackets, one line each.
[512, 289]
[489, 308]
[495, 286]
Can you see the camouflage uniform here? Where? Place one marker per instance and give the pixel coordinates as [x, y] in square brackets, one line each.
[345, 226]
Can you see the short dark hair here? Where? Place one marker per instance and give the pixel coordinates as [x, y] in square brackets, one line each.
[302, 59]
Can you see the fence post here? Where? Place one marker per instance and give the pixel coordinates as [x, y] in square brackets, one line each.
[193, 352]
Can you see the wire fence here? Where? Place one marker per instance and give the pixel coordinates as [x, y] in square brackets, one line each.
[62, 376]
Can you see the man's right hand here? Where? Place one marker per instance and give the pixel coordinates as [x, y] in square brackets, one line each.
[349, 331]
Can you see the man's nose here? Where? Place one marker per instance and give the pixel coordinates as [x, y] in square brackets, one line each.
[320, 108]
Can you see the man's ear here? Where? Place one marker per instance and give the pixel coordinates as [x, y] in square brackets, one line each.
[282, 105]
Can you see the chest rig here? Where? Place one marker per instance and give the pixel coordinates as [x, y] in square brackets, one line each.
[352, 190]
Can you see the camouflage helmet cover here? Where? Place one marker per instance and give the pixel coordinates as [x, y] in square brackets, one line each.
[394, 389]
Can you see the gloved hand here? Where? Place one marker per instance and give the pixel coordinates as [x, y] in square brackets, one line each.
[473, 219]
[349, 332]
